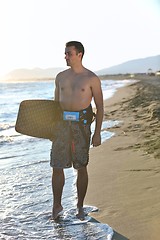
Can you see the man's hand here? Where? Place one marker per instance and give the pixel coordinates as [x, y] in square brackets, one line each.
[96, 140]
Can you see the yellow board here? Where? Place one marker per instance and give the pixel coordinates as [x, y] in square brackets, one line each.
[37, 118]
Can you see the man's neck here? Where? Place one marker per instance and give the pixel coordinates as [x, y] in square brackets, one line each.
[77, 69]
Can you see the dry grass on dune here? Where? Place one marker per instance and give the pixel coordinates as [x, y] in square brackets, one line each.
[146, 106]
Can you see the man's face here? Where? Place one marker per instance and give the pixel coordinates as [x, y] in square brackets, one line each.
[71, 56]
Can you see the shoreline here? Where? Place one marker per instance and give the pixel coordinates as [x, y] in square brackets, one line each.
[124, 171]
[139, 76]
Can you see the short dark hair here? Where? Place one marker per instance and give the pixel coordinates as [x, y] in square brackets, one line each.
[78, 46]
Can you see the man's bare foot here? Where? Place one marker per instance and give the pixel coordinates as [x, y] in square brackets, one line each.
[81, 214]
[56, 212]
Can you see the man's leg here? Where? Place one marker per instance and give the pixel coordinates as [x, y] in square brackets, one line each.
[58, 181]
[82, 184]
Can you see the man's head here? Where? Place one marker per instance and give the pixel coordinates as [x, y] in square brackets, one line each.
[78, 47]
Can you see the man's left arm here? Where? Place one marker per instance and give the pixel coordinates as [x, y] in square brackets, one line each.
[98, 99]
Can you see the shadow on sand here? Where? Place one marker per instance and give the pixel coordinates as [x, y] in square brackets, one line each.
[116, 235]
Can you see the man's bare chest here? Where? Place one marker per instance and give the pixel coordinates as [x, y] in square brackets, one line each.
[76, 84]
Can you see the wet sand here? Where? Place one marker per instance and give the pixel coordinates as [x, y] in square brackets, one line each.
[124, 172]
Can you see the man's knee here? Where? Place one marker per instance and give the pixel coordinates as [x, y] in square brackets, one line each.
[82, 171]
[57, 171]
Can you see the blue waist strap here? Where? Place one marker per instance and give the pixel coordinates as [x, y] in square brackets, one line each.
[84, 116]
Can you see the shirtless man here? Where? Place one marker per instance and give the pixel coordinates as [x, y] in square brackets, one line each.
[75, 88]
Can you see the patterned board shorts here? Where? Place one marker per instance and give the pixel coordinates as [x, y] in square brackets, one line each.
[70, 145]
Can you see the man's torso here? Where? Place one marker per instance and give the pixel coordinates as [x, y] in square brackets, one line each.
[75, 91]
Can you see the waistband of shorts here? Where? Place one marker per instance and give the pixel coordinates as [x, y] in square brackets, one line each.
[86, 116]
[89, 108]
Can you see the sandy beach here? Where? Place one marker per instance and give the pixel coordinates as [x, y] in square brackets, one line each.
[124, 171]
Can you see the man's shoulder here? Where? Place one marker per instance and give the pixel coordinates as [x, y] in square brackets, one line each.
[64, 72]
[91, 74]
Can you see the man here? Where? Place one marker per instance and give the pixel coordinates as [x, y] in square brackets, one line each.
[75, 88]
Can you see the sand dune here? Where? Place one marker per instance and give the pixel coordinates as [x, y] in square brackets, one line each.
[124, 172]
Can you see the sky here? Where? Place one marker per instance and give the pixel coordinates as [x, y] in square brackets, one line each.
[33, 33]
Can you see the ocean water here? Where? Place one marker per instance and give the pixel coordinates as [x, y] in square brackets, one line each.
[25, 183]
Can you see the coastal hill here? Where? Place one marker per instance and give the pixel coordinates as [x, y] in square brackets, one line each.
[35, 73]
[142, 65]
